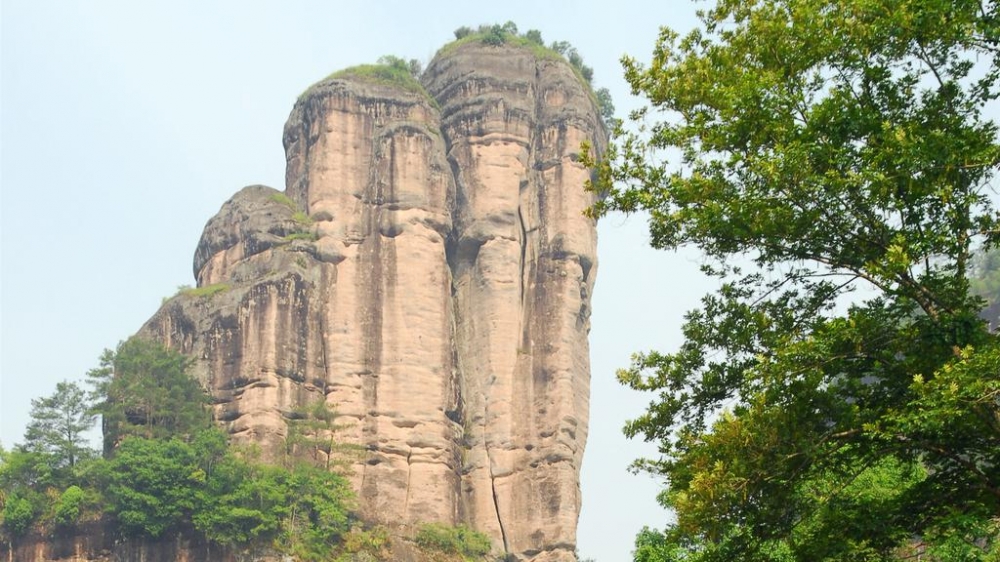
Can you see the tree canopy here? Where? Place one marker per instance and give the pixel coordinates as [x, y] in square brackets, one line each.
[58, 424]
[143, 388]
[166, 470]
[810, 148]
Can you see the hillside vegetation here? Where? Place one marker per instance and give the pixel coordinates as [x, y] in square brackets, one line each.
[167, 470]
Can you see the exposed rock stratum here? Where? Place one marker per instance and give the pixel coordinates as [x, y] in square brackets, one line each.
[426, 272]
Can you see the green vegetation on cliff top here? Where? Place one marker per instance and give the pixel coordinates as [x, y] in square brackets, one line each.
[507, 34]
[389, 71]
[205, 291]
[397, 72]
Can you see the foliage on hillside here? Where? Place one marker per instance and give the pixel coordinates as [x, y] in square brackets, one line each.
[143, 389]
[167, 470]
[459, 541]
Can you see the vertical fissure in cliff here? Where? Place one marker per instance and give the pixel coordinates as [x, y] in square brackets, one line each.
[524, 251]
[496, 504]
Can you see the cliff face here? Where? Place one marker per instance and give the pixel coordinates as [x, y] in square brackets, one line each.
[94, 541]
[427, 272]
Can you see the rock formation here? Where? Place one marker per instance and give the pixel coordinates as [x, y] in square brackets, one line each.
[427, 273]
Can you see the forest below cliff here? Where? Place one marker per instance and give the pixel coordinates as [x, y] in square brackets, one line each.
[170, 471]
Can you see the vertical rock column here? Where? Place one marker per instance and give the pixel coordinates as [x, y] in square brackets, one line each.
[522, 257]
[367, 160]
[562, 251]
[427, 273]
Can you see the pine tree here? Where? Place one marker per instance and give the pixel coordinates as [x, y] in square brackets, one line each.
[58, 424]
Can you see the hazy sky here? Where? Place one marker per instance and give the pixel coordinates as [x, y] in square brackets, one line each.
[126, 125]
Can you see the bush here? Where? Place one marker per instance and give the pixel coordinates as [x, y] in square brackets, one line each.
[307, 236]
[302, 219]
[606, 104]
[372, 541]
[68, 506]
[496, 36]
[534, 36]
[18, 514]
[459, 540]
[297, 214]
[284, 200]
[205, 291]
[151, 486]
[560, 47]
[397, 76]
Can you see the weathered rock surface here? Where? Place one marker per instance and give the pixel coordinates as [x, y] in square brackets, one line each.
[427, 272]
[96, 541]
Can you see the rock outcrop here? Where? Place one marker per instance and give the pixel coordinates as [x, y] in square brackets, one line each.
[427, 273]
[95, 541]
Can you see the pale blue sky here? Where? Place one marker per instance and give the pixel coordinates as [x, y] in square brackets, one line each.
[125, 125]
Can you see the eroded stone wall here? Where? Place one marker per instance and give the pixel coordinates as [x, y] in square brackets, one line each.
[427, 273]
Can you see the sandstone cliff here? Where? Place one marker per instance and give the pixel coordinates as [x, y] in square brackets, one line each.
[427, 272]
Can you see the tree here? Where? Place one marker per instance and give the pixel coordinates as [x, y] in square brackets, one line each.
[25, 478]
[651, 546]
[820, 147]
[561, 47]
[534, 36]
[143, 388]
[316, 518]
[413, 66]
[244, 505]
[155, 487]
[58, 424]
[313, 429]
[606, 104]
[39, 478]
[68, 508]
[152, 484]
[495, 35]
[18, 514]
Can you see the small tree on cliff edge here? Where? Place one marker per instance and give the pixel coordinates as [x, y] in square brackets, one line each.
[822, 146]
[143, 389]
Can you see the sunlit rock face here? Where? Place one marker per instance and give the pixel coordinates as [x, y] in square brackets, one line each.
[427, 273]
